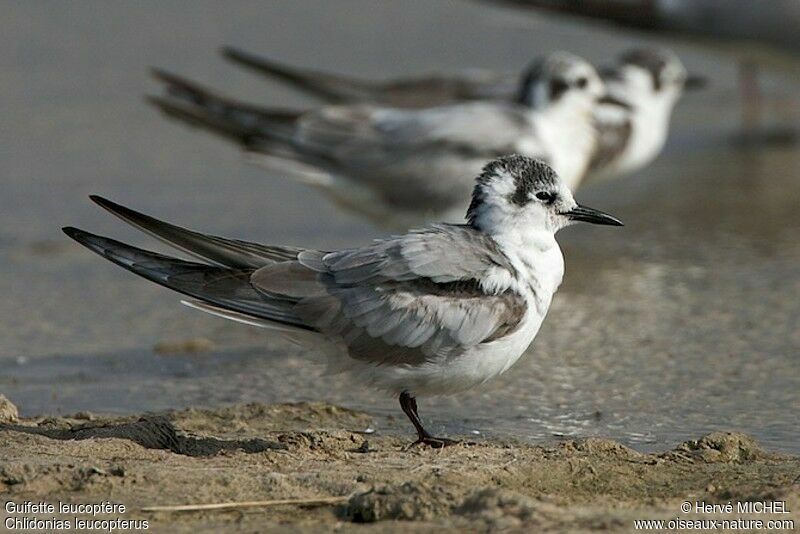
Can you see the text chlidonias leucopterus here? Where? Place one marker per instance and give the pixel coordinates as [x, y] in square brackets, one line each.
[405, 167]
[644, 84]
[435, 311]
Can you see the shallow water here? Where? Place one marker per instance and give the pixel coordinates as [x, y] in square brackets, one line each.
[685, 321]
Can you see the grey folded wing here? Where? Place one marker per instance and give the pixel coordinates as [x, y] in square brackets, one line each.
[405, 300]
[614, 130]
[342, 132]
[416, 91]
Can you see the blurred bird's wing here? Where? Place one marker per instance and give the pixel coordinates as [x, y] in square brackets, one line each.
[417, 161]
[416, 91]
[246, 124]
[367, 132]
[329, 87]
[340, 132]
[614, 126]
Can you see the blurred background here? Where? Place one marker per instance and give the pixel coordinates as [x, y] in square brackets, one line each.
[685, 321]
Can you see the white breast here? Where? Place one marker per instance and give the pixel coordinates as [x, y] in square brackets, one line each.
[569, 140]
[542, 266]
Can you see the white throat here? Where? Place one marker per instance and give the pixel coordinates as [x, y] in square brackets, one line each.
[534, 253]
[568, 134]
[650, 117]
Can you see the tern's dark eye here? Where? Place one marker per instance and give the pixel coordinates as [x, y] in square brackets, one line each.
[547, 198]
[582, 82]
[557, 88]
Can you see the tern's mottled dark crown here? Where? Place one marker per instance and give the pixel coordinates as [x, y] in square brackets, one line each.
[549, 69]
[528, 175]
[652, 60]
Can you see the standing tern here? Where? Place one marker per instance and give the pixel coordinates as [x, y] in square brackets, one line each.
[633, 122]
[643, 84]
[404, 167]
[435, 311]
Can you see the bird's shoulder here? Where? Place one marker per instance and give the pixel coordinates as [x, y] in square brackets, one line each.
[362, 131]
[441, 253]
[415, 297]
[404, 299]
[614, 126]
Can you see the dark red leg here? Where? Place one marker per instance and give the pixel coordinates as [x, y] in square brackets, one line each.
[409, 406]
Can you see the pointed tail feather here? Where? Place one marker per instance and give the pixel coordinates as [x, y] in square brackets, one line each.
[222, 287]
[328, 87]
[243, 123]
[221, 251]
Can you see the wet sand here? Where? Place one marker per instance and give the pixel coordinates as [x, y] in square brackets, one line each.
[307, 451]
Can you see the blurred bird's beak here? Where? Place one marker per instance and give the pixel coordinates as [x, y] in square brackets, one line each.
[590, 215]
[614, 101]
[695, 81]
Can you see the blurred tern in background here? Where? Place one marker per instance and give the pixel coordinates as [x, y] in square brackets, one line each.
[765, 33]
[643, 86]
[425, 90]
[436, 311]
[633, 123]
[404, 167]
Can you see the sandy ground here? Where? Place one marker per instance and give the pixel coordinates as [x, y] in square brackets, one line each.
[312, 450]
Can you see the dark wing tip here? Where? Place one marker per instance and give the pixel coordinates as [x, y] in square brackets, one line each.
[115, 209]
[161, 74]
[241, 56]
[97, 199]
[175, 80]
[83, 237]
[106, 204]
[157, 101]
[231, 51]
[75, 233]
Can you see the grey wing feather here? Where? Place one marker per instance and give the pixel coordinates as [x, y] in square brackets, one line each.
[241, 122]
[614, 130]
[219, 250]
[340, 132]
[419, 91]
[404, 300]
[224, 287]
[390, 302]
[382, 149]
[330, 87]
[442, 253]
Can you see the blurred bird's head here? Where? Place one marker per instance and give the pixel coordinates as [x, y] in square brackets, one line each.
[652, 74]
[560, 80]
[519, 195]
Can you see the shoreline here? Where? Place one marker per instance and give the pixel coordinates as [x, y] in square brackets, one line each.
[318, 457]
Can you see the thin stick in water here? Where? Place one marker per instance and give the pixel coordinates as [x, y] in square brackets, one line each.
[319, 501]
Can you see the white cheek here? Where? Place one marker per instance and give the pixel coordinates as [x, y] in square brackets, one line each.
[503, 185]
[533, 216]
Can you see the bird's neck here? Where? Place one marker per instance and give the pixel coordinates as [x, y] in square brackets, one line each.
[537, 259]
[650, 116]
[570, 137]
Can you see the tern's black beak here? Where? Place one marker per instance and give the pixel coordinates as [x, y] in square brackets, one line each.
[590, 215]
[694, 82]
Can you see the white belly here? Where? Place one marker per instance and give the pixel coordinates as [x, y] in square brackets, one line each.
[458, 373]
